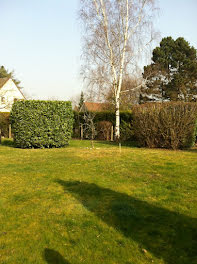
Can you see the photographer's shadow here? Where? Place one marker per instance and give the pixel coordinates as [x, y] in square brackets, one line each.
[168, 235]
[53, 257]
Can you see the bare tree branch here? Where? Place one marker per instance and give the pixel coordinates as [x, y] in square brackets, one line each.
[112, 36]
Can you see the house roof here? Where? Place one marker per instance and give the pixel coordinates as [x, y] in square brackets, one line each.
[96, 107]
[3, 81]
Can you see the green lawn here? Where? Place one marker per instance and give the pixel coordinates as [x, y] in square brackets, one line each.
[98, 206]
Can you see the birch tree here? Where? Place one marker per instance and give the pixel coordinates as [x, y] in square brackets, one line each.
[114, 31]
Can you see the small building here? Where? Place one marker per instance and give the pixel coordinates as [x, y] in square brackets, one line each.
[9, 92]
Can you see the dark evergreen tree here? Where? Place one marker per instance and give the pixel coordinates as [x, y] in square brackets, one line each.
[172, 75]
[5, 73]
[81, 101]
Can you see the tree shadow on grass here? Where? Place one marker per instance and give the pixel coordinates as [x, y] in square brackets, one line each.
[53, 257]
[168, 235]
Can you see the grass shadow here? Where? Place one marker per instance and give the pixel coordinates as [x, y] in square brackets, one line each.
[194, 150]
[132, 144]
[168, 235]
[53, 257]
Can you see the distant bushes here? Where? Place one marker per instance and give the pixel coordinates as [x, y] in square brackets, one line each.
[103, 122]
[41, 124]
[165, 125]
[104, 130]
[4, 123]
[103, 116]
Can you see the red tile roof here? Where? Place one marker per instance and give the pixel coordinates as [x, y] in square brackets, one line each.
[96, 107]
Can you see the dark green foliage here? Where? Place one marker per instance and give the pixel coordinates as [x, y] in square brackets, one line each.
[105, 116]
[41, 124]
[173, 73]
[126, 118]
[7, 142]
[81, 101]
[4, 123]
[126, 130]
[5, 73]
[167, 125]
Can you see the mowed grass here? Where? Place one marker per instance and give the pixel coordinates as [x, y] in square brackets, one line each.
[82, 205]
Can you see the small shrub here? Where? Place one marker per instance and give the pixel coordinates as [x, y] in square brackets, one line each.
[104, 129]
[89, 131]
[41, 124]
[165, 125]
[4, 124]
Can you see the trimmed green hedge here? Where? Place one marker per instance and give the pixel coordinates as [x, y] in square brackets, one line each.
[110, 116]
[41, 124]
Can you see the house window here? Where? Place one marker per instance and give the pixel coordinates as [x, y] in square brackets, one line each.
[2, 99]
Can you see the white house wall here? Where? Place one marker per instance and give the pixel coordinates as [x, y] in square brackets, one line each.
[9, 92]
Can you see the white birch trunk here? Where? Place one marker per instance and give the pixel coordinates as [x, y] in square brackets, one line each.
[117, 130]
[118, 90]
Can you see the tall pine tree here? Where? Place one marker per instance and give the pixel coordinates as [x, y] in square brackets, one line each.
[81, 101]
[172, 75]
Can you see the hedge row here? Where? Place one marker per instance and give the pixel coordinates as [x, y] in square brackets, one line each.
[166, 125]
[126, 119]
[125, 116]
[41, 124]
[38, 124]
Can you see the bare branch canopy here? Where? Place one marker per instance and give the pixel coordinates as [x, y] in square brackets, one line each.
[113, 32]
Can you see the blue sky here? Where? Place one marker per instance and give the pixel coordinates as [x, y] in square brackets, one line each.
[40, 41]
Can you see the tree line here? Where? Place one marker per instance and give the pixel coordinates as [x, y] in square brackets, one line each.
[114, 34]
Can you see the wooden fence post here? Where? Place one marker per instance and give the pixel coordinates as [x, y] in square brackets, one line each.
[112, 133]
[10, 131]
[81, 132]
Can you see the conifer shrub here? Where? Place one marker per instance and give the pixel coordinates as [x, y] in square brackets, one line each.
[41, 124]
[165, 125]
